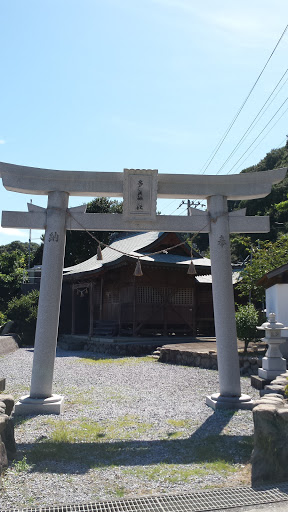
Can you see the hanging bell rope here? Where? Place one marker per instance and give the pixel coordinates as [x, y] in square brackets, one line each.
[191, 269]
[138, 270]
[163, 251]
[99, 253]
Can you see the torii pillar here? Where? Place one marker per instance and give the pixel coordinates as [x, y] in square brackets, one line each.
[139, 189]
[224, 310]
[41, 396]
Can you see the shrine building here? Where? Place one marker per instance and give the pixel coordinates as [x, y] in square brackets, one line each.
[104, 297]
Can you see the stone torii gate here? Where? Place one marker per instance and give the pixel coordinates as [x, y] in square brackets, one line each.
[139, 189]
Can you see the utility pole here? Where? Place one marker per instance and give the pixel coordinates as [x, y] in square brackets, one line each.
[189, 204]
[29, 246]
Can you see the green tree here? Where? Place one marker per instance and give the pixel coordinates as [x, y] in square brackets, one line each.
[240, 248]
[12, 270]
[269, 205]
[80, 246]
[247, 318]
[23, 247]
[23, 311]
[282, 206]
[265, 257]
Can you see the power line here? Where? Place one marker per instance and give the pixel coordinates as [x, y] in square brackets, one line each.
[280, 145]
[183, 202]
[179, 206]
[255, 120]
[218, 146]
[261, 133]
[261, 141]
[167, 206]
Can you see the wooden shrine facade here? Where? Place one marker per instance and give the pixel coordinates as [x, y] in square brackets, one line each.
[164, 300]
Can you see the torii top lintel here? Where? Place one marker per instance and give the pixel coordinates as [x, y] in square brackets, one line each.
[32, 180]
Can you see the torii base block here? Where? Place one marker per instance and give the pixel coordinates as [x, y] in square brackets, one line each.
[27, 405]
[216, 401]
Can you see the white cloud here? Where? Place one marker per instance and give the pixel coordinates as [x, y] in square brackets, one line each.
[14, 233]
[237, 23]
[2, 141]
[251, 23]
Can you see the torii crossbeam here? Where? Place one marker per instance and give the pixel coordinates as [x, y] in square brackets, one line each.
[139, 189]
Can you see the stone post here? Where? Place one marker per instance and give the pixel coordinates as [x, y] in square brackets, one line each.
[91, 309]
[273, 364]
[224, 310]
[73, 310]
[41, 399]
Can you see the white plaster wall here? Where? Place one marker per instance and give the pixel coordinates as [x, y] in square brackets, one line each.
[277, 302]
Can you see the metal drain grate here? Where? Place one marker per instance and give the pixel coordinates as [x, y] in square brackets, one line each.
[194, 502]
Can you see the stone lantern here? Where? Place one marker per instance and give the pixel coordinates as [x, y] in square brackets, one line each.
[273, 363]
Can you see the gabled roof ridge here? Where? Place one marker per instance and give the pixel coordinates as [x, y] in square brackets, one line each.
[117, 244]
[132, 234]
[131, 245]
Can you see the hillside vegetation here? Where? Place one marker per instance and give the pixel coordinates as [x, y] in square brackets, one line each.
[266, 251]
[268, 205]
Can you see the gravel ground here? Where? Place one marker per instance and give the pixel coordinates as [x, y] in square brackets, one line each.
[130, 427]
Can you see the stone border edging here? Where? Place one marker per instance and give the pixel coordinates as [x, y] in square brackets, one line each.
[248, 364]
[270, 416]
[7, 440]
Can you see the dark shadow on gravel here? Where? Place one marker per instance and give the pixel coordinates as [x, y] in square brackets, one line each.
[205, 445]
[84, 354]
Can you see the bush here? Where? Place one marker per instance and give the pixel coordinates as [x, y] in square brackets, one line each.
[2, 318]
[23, 311]
[247, 318]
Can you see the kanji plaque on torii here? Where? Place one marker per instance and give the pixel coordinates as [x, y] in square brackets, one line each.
[139, 189]
[140, 193]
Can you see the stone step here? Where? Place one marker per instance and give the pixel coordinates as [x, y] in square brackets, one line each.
[156, 354]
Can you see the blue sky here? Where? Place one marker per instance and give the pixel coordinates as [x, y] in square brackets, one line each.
[102, 85]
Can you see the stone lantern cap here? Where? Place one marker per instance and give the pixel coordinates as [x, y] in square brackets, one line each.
[272, 328]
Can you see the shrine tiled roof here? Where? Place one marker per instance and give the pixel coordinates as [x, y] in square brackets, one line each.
[207, 278]
[133, 245]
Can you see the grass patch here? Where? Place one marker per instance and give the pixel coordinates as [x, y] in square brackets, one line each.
[17, 390]
[20, 420]
[178, 473]
[92, 455]
[119, 491]
[129, 361]
[127, 427]
[217, 449]
[118, 443]
[110, 394]
[75, 397]
[180, 423]
[84, 430]
[176, 435]
[18, 466]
